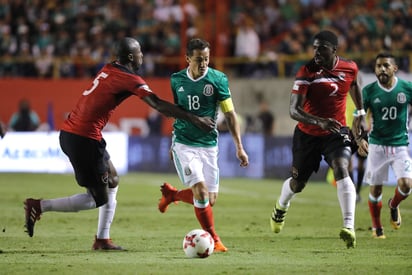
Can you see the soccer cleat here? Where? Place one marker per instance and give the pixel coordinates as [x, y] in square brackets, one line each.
[168, 193]
[377, 233]
[348, 236]
[32, 212]
[395, 216]
[277, 220]
[219, 247]
[105, 244]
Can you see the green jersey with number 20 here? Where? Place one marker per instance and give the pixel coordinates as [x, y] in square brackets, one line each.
[389, 108]
[201, 97]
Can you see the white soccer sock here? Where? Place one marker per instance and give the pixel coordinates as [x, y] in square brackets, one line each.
[286, 195]
[73, 203]
[106, 214]
[347, 200]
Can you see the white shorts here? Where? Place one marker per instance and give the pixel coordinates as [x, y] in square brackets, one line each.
[380, 158]
[196, 164]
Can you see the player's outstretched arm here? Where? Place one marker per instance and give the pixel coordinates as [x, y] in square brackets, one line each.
[168, 109]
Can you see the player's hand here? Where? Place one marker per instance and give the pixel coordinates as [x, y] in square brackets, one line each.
[206, 124]
[358, 126]
[243, 157]
[363, 149]
[330, 124]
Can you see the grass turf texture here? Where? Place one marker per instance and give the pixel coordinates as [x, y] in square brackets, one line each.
[308, 244]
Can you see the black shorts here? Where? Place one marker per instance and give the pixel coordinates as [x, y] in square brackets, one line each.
[89, 159]
[308, 151]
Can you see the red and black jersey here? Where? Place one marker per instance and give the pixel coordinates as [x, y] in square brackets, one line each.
[113, 84]
[325, 91]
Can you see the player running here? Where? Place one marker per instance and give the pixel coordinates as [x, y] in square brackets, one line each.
[318, 103]
[200, 90]
[81, 140]
[388, 100]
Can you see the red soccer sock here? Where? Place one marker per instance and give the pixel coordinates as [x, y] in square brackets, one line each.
[397, 198]
[206, 220]
[375, 211]
[185, 195]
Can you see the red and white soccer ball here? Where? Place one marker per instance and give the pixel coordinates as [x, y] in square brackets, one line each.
[198, 243]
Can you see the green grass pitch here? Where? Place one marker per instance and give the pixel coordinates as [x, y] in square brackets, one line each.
[309, 243]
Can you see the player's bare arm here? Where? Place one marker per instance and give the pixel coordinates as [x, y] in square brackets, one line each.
[297, 113]
[359, 117]
[234, 129]
[168, 109]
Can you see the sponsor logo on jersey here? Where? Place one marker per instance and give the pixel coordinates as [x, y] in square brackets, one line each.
[181, 89]
[401, 98]
[377, 100]
[208, 90]
[341, 76]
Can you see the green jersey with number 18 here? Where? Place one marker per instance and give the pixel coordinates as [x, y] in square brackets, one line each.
[389, 108]
[201, 97]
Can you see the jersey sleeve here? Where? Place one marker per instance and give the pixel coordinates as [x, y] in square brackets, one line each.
[141, 89]
[301, 84]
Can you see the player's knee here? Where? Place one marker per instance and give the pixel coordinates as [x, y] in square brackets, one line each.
[297, 186]
[99, 195]
[113, 181]
[101, 200]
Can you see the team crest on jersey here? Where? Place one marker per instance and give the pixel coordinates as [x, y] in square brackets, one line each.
[401, 98]
[188, 172]
[208, 90]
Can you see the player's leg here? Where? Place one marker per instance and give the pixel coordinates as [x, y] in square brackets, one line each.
[306, 159]
[402, 169]
[211, 175]
[78, 149]
[107, 212]
[376, 173]
[375, 206]
[181, 155]
[361, 174]
[338, 156]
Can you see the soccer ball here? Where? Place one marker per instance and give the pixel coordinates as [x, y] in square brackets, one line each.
[198, 243]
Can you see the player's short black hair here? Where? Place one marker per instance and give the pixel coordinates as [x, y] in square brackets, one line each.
[125, 47]
[196, 44]
[327, 36]
[385, 55]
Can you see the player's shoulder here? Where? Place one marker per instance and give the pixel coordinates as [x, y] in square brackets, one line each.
[405, 82]
[347, 63]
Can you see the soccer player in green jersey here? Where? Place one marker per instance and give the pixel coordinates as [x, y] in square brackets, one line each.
[387, 99]
[201, 90]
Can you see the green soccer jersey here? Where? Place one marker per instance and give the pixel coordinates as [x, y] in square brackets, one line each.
[389, 110]
[201, 97]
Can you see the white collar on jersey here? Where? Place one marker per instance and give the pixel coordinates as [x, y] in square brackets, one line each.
[391, 88]
[199, 78]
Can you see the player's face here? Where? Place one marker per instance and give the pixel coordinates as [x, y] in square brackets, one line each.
[198, 62]
[137, 59]
[324, 53]
[385, 69]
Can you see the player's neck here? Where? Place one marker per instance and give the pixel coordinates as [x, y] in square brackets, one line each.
[332, 64]
[390, 84]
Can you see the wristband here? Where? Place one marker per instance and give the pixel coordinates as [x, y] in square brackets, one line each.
[359, 113]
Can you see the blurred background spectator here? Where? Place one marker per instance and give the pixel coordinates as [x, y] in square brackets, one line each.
[155, 122]
[24, 119]
[74, 38]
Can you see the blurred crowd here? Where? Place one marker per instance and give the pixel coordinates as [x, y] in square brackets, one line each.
[74, 38]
